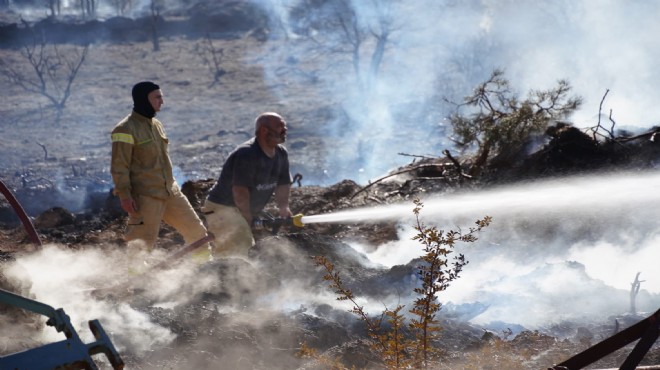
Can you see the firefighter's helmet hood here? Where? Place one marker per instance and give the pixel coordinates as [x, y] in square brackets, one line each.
[141, 103]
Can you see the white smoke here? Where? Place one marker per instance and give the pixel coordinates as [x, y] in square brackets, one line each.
[557, 249]
[521, 267]
[92, 283]
[596, 45]
[443, 49]
[64, 278]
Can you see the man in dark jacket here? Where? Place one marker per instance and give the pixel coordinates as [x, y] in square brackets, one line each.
[252, 173]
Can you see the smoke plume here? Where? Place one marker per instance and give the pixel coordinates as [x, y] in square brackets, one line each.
[440, 50]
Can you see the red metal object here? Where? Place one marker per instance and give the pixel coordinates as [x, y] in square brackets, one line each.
[647, 331]
[27, 223]
[183, 251]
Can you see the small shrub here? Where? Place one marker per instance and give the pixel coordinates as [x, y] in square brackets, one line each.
[498, 123]
[404, 346]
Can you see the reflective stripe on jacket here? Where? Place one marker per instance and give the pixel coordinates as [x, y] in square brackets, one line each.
[140, 162]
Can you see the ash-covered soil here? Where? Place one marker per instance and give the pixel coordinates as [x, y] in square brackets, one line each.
[249, 314]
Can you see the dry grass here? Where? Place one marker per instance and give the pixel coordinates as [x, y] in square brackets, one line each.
[203, 120]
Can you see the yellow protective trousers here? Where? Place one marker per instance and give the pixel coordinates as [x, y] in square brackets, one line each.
[233, 235]
[142, 228]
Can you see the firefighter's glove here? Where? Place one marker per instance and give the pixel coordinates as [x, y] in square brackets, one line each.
[202, 254]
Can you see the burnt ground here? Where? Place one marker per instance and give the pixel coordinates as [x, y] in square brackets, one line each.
[226, 322]
[57, 167]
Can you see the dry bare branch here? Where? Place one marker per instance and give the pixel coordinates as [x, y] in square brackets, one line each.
[51, 73]
[394, 174]
[45, 150]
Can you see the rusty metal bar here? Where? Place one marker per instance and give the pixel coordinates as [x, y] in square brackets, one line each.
[651, 367]
[646, 329]
[177, 254]
[650, 336]
[25, 219]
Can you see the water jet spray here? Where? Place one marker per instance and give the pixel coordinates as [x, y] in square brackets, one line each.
[378, 213]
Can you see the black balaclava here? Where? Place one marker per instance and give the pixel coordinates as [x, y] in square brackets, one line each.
[140, 100]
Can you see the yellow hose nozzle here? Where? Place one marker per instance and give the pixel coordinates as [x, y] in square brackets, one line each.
[297, 220]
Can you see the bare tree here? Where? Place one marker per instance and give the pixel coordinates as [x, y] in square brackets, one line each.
[634, 290]
[156, 7]
[54, 6]
[211, 57]
[380, 31]
[88, 8]
[51, 70]
[122, 6]
[339, 27]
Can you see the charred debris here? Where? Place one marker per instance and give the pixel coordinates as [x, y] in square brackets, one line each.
[205, 333]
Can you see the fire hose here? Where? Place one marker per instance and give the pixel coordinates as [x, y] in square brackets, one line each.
[266, 222]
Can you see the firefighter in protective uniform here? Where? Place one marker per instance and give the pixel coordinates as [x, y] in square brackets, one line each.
[142, 174]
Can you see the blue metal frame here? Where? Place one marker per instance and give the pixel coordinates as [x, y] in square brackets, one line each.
[71, 353]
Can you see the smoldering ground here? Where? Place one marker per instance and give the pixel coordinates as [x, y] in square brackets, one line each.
[561, 249]
[551, 256]
[235, 311]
